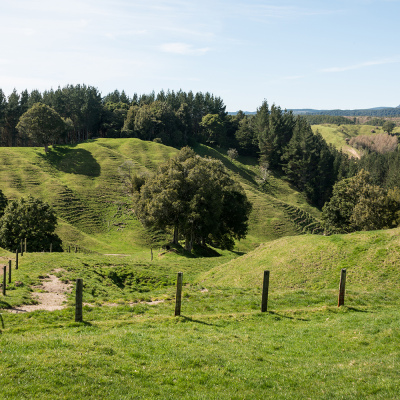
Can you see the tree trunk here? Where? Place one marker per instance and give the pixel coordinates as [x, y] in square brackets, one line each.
[46, 148]
[189, 241]
[175, 240]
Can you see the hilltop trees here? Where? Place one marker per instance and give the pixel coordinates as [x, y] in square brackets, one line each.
[358, 205]
[388, 126]
[196, 198]
[42, 124]
[32, 219]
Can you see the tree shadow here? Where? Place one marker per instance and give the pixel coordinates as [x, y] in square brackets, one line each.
[72, 161]
[189, 319]
[357, 310]
[286, 316]
[206, 151]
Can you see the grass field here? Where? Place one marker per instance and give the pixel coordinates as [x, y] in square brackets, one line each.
[131, 346]
[221, 346]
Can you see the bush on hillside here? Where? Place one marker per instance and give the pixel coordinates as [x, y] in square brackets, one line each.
[381, 143]
[32, 219]
[357, 205]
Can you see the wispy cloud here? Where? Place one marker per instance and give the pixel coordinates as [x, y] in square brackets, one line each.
[362, 65]
[278, 12]
[184, 49]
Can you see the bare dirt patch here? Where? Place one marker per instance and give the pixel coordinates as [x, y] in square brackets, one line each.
[51, 295]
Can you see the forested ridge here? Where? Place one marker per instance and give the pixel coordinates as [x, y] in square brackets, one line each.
[282, 142]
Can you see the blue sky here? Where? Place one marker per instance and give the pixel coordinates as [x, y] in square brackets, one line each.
[296, 54]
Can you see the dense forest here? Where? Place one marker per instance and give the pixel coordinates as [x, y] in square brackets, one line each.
[283, 142]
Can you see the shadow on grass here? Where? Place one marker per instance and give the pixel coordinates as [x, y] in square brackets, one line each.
[357, 310]
[286, 316]
[72, 161]
[189, 319]
[206, 151]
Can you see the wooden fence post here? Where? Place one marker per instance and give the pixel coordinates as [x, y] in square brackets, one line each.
[25, 245]
[51, 247]
[9, 271]
[264, 300]
[178, 300]
[151, 254]
[4, 280]
[342, 287]
[78, 300]
[16, 259]
[22, 249]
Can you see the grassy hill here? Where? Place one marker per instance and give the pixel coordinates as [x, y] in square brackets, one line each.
[83, 184]
[337, 134]
[310, 266]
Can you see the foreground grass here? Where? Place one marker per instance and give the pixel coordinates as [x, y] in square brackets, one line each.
[222, 347]
[325, 353]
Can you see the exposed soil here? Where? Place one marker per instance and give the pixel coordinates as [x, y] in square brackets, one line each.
[51, 295]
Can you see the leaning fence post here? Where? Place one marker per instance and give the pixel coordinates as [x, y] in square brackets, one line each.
[9, 271]
[78, 300]
[264, 300]
[178, 300]
[342, 287]
[16, 259]
[4, 280]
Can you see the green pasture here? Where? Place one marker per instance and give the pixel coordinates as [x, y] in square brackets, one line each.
[130, 345]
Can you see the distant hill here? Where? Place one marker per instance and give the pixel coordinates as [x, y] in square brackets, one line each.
[369, 112]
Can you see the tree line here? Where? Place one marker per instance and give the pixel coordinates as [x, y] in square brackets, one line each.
[282, 142]
[173, 118]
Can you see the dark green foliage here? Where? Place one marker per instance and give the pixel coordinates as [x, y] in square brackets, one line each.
[42, 124]
[3, 203]
[275, 130]
[113, 117]
[388, 126]
[357, 205]
[309, 163]
[197, 199]
[32, 219]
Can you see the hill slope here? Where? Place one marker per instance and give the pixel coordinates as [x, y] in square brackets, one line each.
[83, 184]
[314, 263]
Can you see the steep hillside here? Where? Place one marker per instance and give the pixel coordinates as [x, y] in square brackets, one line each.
[314, 262]
[83, 184]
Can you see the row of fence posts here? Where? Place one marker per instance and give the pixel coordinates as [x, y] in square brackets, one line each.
[20, 252]
[178, 298]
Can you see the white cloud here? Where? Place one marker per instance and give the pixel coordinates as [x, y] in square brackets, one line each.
[183, 49]
[362, 65]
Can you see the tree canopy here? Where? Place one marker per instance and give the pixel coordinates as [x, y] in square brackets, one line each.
[29, 218]
[358, 205]
[42, 124]
[197, 199]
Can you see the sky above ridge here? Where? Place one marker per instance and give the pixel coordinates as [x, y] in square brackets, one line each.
[297, 54]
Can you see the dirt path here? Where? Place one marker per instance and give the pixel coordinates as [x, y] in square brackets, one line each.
[52, 295]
